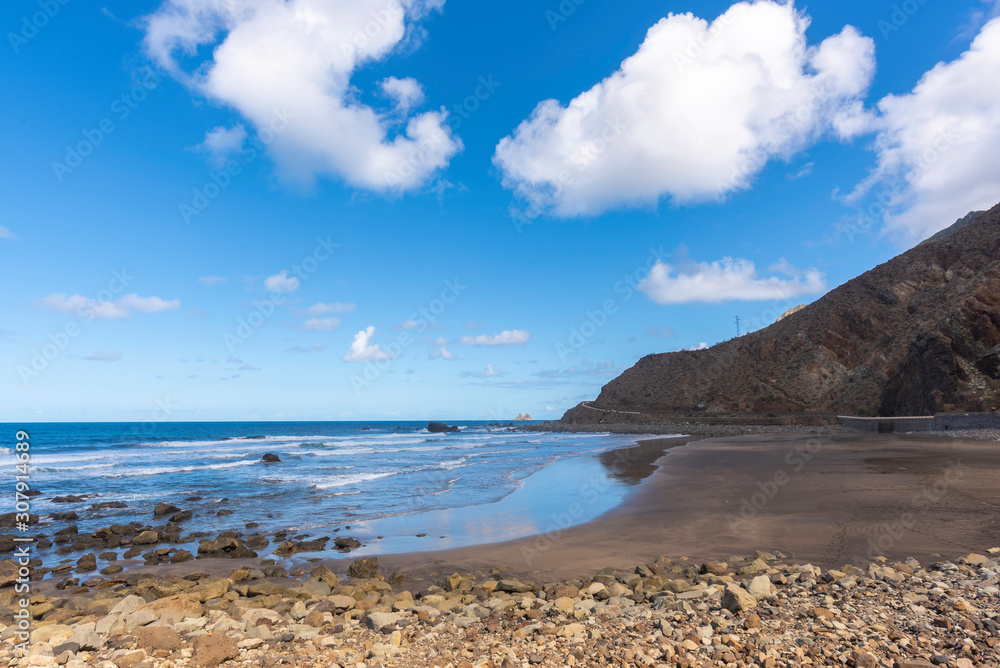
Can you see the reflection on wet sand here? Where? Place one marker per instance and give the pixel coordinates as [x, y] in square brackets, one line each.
[632, 465]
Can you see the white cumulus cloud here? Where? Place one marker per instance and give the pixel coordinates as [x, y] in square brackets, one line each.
[727, 279]
[282, 282]
[441, 351]
[117, 309]
[287, 67]
[363, 350]
[508, 337]
[939, 145]
[406, 92]
[694, 114]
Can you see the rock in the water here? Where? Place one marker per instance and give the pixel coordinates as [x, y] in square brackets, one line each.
[165, 509]
[271, 458]
[440, 428]
[364, 568]
[9, 520]
[228, 546]
[346, 544]
[290, 547]
[146, 538]
[86, 563]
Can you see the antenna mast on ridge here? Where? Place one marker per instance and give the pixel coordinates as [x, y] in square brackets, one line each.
[737, 326]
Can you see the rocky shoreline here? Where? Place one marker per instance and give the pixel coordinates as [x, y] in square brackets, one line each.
[752, 610]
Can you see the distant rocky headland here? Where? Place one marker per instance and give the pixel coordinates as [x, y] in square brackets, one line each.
[917, 335]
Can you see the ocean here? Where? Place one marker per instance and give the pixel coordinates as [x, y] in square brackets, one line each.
[393, 485]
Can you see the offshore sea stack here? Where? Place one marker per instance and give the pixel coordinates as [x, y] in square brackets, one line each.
[917, 335]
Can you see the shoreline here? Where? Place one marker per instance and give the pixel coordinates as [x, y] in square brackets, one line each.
[857, 497]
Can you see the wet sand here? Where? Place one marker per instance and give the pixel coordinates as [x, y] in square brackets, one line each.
[826, 500]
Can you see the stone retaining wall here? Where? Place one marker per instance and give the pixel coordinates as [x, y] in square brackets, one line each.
[940, 422]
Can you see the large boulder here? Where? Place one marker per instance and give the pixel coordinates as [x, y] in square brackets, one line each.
[377, 620]
[146, 538]
[440, 428]
[760, 587]
[228, 547]
[290, 547]
[364, 569]
[165, 509]
[346, 544]
[737, 599]
[212, 649]
[8, 572]
[153, 638]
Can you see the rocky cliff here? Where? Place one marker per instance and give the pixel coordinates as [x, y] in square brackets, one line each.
[916, 335]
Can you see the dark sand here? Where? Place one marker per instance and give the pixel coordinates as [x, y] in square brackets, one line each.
[827, 500]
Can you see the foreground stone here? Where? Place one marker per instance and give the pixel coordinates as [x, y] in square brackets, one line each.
[665, 613]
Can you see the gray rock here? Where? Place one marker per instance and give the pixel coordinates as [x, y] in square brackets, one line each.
[376, 621]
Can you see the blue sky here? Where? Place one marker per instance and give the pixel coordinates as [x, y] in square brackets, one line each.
[294, 209]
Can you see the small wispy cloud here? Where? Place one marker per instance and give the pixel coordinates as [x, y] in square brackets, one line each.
[213, 280]
[508, 337]
[222, 143]
[802, 172]
[118, 309]
[661, 333]
[320, 324]
[489, 372]
[320, 308]
[314, 348]
[103, 357]
[282, 282]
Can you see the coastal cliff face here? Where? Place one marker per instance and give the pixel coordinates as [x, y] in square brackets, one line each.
[916, 335]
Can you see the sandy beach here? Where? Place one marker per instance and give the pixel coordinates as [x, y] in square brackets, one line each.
[827, 500]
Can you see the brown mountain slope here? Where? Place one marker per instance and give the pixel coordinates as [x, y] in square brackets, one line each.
[916, 335]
